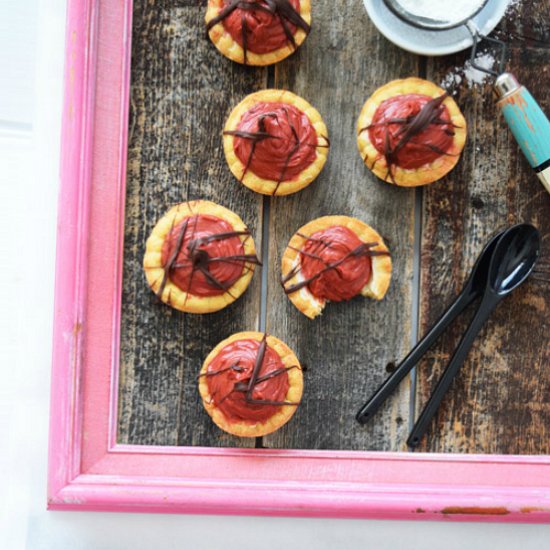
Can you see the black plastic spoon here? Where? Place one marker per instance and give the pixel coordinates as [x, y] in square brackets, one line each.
[473, 288]
[512, 261]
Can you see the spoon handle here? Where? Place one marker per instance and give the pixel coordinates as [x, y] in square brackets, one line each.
[388, 386]
[486, 307]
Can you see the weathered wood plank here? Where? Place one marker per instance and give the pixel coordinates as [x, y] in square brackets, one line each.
[527, 23]
[500, 401]
[348, 349]
[182, 91]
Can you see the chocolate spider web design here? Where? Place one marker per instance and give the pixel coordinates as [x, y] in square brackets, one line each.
[262, 133]
[254, 380]
[282, 9]
[411, 126]
[199, 258]
[364, 249]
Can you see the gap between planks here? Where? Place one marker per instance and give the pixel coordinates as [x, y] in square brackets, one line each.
[415, 301]
[266, 215]
[417, 265]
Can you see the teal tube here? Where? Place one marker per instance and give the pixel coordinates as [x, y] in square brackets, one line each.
[529, 124]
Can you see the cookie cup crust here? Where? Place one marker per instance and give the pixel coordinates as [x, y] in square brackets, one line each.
[427, 173]
[265, 186]
[229, 47]
[154, 270]
[285, 412]
[380, 278]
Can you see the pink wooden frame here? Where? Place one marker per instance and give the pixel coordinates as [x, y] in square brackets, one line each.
[88, 470]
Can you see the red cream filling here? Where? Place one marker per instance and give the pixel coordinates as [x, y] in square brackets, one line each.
[331, 246]
[229, 374]
[200, 252]
[284, 144]
[387, 129]
[264, 31]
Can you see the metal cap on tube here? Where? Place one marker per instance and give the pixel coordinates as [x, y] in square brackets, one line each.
[506, 84]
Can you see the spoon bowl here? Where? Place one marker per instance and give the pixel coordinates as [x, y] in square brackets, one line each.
[480, 271]
[514, 258]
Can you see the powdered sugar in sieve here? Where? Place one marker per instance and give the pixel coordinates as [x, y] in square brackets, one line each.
[450, 11]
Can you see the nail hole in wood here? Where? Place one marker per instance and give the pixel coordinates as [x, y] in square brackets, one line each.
[390, 367]
[477, 203]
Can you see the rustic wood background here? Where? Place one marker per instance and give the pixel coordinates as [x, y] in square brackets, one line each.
[182, 91]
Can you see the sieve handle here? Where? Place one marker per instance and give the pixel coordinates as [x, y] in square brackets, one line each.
[528, 123]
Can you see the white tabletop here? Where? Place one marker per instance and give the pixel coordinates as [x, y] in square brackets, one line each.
[31, 53]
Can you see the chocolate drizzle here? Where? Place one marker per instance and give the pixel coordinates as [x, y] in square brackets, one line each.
[282, 9]
[364, 249]
[255, 137]
[248, 387]
[235, 368]
[262, 133]
[199, 258]
[411, 126]
[172, 259]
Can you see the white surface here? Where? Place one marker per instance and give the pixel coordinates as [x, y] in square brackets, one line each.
[28, 198]
[18, 26]
[432, 42]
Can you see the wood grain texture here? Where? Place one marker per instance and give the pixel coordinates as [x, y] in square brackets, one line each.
[182, 91]
[527, 24]
[348, 348]
[500, 401]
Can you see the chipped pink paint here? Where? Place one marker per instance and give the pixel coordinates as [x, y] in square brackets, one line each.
[88, 470]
